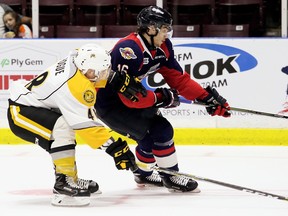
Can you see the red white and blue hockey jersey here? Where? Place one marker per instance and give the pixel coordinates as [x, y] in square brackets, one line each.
[131, 55]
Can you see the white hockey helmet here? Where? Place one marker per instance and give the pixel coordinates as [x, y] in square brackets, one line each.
[92, 56]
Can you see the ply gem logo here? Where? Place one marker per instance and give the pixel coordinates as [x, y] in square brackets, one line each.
[4, 62]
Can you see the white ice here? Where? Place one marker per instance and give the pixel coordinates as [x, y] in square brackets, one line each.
[27, 180]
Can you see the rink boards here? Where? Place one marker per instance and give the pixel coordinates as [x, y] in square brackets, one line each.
[247, 72]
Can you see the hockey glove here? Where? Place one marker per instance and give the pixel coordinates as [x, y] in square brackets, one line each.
[166, 98]
[128, 86]
[216, 104]
[123, 157]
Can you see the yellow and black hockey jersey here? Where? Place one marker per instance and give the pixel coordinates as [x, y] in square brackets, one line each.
[63, 87]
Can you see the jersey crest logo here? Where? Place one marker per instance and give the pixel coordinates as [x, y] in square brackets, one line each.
[89, 96]
[127, 53]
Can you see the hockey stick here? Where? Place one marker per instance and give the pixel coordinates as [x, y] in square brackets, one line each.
[236, 187]
[183, 100]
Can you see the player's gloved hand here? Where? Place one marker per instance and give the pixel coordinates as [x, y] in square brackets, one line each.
[216, 104]
[166, 98]
[123, 157]
[128, 86]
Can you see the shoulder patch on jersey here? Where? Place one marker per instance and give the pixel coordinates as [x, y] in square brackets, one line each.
[82, 89]
[127, 53]
[89, 96]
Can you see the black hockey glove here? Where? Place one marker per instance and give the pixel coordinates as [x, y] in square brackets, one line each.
[216, 104]
[128, 86]
[166, 98]
[123, 157]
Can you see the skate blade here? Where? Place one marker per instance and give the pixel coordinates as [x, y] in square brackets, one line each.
[196, 190]
[95, 194]
[143, 185]
[67, 201]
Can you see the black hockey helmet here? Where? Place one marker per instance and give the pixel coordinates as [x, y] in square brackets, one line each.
[154, 15]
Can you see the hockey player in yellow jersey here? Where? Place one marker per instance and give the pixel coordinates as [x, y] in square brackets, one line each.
[58, 103]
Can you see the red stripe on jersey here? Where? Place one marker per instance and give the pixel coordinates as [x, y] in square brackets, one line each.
[165, 49]
[186, 87]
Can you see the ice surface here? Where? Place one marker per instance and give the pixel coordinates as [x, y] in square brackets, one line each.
[27, 180]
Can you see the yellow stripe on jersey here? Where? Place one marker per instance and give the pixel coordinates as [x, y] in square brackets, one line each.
[94, 136]
[28, 124]
[82, 89]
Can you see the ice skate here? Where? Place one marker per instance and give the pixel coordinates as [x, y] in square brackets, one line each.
[180, 184]
[153, 180]
[91, 185]
[67, 192]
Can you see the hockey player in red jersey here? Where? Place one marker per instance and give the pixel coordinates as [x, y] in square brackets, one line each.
[58, 103]
[140, 54]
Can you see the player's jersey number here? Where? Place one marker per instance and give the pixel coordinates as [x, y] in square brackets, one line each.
[37, 81]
